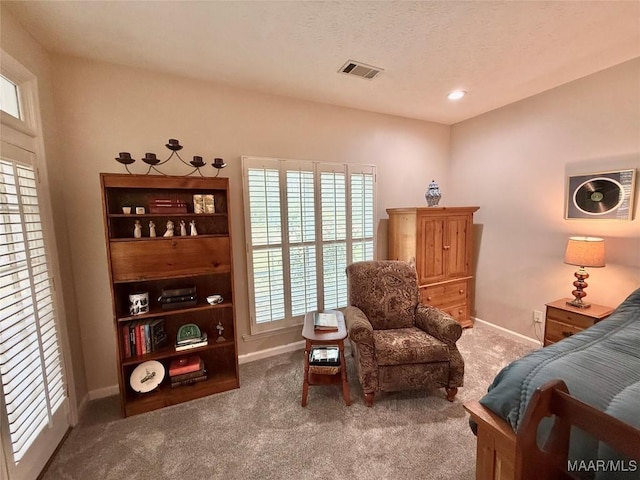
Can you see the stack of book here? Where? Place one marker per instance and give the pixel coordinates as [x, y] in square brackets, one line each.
[178, 298]
[142, 337]
[187, 371]
[325, 322]
[188, 344]
[167, 205]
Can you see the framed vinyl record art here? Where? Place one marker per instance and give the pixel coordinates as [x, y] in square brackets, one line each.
[603, 195]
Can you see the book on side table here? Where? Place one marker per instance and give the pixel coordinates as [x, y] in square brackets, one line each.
[325, 322]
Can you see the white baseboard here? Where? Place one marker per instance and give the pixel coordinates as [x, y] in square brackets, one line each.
[509, 333]
[270, 352]
[104, 392]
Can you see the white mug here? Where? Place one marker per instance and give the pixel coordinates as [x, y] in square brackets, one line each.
[213, 299]
[138, 303]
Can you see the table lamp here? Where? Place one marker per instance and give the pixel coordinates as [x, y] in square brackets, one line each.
[583, 252]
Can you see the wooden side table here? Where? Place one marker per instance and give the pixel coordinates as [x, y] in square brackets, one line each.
[324, 338]
[564, 320]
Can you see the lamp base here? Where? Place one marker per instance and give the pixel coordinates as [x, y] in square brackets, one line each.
[578, 304]
[579, 292]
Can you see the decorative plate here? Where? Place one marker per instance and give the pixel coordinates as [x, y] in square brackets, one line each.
[147, 376]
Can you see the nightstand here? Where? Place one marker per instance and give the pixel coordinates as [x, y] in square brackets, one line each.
[563, 320]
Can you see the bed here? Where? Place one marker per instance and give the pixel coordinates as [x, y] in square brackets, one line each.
[600, 368]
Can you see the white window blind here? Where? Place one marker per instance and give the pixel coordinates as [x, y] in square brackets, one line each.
[301, 240]
[30, 358]
[306, 221]
[362, 207]
[334, 238]
[266, 243]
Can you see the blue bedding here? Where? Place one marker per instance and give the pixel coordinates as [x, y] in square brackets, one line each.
[601, 367]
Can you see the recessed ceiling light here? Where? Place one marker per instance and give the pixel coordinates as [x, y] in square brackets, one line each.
[456, 95]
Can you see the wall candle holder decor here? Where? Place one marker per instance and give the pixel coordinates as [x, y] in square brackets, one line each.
[154, 162]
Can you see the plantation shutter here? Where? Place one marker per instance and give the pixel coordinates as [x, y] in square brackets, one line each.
[305, 222]
[266, 243]
[362, 222]
[30, 359]
[301, 224]
[333, 206]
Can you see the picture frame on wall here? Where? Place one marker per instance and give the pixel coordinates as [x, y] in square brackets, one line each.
[601, 195]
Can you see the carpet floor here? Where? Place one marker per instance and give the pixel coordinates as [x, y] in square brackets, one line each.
[260, 431]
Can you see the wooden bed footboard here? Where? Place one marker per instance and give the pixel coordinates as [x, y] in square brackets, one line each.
[496, 444]
[505, 455]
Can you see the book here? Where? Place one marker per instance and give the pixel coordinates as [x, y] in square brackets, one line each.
[187, 376]
[136, 330]
[126, 340]
[157, 333]
[189, 341]
[176, 305]
[179, 298]
[182, 365]
[189, 346]
[324, 356]
[156, 209]
[177, 292]
[325, 322]
[189, 381]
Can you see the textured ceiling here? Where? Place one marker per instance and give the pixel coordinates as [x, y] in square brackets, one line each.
[499, 51]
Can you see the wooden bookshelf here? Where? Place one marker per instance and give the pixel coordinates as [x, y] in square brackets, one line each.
[151, 264]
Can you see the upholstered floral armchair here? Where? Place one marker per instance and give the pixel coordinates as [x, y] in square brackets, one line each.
[398, 343]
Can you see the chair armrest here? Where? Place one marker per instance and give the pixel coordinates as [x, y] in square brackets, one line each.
[438, 324]
[358, 326]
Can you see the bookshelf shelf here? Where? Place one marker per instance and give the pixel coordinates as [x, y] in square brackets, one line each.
[155, 264]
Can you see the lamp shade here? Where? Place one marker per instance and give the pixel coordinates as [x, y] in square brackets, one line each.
[585, 252]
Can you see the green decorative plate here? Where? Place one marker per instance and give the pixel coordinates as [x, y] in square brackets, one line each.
[188, 331]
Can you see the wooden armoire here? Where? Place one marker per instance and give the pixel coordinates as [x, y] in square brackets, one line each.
[440, 242]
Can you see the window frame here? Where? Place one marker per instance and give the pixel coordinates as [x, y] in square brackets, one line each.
[26, 134]
[282, 166]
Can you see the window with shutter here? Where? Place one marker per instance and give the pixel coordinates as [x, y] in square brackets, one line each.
[29, 350]
[34, 407]
[306, 221]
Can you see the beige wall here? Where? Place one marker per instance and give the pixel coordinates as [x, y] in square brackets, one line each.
[21, 46]
[105, 109]
[513, 162]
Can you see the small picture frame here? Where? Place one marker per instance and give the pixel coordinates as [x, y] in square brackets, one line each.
[140, 210]
[203, 203]
[601, 195]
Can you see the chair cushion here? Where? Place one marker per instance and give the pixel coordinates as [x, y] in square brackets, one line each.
[386, 291]
[408, 345]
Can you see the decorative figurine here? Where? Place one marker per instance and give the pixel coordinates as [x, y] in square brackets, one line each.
[137, 229]
[152, 229]
[194, 232]
[220, 329]
[169, 232]
[183, 228]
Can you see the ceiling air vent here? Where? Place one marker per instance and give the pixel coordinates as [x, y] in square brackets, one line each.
[358, 69]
